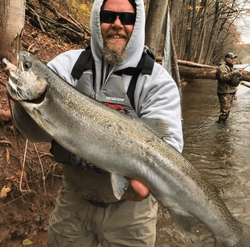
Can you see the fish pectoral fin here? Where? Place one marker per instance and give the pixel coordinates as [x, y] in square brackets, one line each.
[157, 126]
[119, 184]
[43, 122]
[183, 220]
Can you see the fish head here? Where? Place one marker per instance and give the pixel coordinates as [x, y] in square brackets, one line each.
[26, 82]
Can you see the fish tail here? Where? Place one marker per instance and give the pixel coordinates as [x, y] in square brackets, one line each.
[242, 238]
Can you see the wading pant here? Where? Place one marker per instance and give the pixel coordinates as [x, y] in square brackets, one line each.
[77, 223]
[226, 101]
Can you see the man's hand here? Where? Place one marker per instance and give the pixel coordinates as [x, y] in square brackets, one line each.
[237, 72]
[136, 191]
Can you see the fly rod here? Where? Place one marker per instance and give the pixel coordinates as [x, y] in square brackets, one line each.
[245, 67]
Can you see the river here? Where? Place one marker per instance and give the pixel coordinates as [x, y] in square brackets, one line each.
[219, 151]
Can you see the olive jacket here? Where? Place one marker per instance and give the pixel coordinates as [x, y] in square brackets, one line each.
[228, 78]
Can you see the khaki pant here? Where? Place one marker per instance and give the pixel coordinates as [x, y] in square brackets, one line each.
[75, 222]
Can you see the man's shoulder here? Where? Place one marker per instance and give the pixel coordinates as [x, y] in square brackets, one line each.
[222, 63]
[67, 58]
[223, 66]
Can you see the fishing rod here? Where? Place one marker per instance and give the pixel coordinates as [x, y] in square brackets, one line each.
[245, 67]
[243, 82]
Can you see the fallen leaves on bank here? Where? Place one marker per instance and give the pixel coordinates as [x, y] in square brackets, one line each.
[4, 191]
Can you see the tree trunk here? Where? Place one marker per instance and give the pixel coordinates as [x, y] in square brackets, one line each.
[210, 47]
[166, 60]
[156, 15]
[191, 37]
[12, 16]
[182, 37]
[176, 72]
[188, 27]
[174, 13]
[191, 70]
[202, 16]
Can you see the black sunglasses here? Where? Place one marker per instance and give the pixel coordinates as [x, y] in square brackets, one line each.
[126, 18]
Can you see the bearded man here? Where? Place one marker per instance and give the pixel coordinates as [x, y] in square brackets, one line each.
[87, 212]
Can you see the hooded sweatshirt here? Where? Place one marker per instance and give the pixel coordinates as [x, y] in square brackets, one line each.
[156, 96]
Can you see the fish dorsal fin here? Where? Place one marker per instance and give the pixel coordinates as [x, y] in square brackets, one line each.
[119, 184]
[157, 126]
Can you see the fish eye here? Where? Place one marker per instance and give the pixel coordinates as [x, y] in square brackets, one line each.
[27, 65]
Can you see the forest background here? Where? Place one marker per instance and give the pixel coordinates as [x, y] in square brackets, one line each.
[202, 31]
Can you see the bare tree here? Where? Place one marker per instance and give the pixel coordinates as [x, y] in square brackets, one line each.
[198, 51]
[201, 27]
[155, 19]
[191, 36]
[182, 30]
[12, 16]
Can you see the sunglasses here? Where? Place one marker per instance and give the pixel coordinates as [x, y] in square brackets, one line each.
[126, 18]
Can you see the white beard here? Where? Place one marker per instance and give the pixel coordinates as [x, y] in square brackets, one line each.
[113, 56]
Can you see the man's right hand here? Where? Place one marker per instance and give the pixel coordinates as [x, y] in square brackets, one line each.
[237, 72]
[136, 191]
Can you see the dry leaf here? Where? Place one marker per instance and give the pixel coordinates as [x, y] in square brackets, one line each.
[33, 207]
[7, 156]
[10, 178]
[9, 184]
[4, 191]
[19, 173]
[27, 242]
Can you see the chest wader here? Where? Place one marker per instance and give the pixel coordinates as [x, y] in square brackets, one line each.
[113, 94]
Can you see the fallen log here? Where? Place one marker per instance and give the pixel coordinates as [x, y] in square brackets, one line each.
[245, 84]
[191, 70]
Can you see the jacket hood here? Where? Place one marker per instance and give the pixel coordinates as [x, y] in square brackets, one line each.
[135, 45]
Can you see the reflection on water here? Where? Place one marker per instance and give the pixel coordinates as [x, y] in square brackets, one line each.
[219, 151]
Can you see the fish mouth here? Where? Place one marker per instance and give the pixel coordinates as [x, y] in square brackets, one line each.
[10, 68]
[18, 91]
[11, 71]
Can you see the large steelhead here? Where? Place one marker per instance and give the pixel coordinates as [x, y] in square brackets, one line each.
[123, 146]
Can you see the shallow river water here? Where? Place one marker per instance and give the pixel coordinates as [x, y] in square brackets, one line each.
[219, 151]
